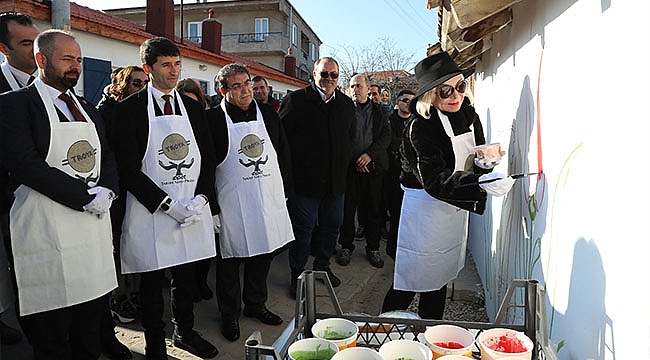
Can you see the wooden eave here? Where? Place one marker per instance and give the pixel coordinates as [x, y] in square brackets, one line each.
[465, 27]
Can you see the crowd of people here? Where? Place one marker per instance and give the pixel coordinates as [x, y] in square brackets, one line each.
[102, 208]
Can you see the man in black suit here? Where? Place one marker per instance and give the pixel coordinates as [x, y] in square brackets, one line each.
[64, 180]
[166, 164]
[318, 122]
[255, 169]
[17, 34]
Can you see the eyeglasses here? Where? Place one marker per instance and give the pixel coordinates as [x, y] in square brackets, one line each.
[326, 75]
[246, 84]
[405, 100]
[139, 83]
[446, 91]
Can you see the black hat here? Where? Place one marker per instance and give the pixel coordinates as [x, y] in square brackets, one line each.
[435, 70]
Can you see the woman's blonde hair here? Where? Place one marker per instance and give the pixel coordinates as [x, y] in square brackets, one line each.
[425, 102]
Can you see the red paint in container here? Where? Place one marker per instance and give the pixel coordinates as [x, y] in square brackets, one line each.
[508, 345]
[500, 343]
[449, 345]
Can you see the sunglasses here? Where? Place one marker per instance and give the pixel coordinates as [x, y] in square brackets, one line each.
[139, 83]
[246, 84]
[446, 91]
[405, 100]
[326, 75]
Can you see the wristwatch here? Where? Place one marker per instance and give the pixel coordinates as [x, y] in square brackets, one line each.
[166, 204]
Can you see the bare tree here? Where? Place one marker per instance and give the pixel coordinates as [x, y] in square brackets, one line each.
[383, 61]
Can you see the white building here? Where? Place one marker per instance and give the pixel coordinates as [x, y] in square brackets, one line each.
[108, 42]
[564, 86]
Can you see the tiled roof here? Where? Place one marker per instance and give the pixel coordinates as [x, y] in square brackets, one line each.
[103, 24]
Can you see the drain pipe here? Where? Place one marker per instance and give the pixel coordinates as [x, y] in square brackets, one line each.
[60, 12]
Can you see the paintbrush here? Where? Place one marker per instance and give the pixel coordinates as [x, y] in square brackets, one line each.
[515, 176]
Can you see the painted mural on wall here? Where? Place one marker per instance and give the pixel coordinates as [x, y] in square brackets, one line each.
[516, 247]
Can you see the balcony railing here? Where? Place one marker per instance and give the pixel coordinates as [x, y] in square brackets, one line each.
[242, 38]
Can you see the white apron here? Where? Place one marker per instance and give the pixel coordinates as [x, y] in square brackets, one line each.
[62, 257]
[254, 216]
[172, 160]
[6, 290]
[432, 234]
[9, 76]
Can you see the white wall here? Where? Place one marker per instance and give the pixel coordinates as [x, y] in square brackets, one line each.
[590, 223]
[124, 54]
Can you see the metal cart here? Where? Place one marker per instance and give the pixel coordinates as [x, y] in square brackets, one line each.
[375, 331]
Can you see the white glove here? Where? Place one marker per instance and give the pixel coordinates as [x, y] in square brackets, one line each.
[101, 203]
[497, 187]
[486, 163]
[197, 204]
[179, 211]
[216, 224]
[194, 218]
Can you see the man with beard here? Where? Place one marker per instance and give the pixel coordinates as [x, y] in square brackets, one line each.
[64, 180]
[17, 34]
[318, 122]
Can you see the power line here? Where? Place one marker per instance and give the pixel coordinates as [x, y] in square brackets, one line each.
[422, 18]
[419, 30]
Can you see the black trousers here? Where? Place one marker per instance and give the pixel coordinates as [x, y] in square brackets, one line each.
[229, 291]
[183, 289]
[394, 195]
[67, 333]
[363, 192]
[431, 306]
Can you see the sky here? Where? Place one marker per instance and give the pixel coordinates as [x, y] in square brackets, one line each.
[349, 23]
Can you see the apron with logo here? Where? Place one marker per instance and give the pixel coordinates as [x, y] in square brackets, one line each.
[432, 234]
[6, 291]
[172, 160]
[250, 191]
[62, 257]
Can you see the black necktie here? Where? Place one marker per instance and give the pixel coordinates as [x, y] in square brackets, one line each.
[168, 105]
[31, 79]
[72, 107]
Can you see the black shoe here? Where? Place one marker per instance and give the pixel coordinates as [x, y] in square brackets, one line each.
[264, 316]
[230, 329]
[333, 278]
[9, 335]
[123, 310]
[115, 350]
[194, 344]
[293, 287]
[344, 256]
[374, 258]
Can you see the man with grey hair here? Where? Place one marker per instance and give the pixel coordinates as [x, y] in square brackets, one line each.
[251, 184]
[318, 121]
[64, 178]
[365, 173]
